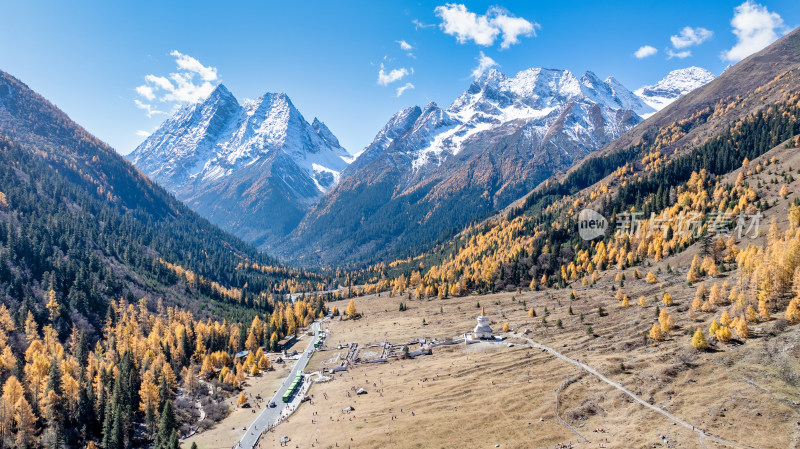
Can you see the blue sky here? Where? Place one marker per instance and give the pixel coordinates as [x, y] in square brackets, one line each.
[89, 58]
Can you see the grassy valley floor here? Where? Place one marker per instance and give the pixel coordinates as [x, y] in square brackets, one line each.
[499, 393]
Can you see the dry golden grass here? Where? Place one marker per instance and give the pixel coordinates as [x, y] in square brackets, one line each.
[459, 394]
[487, 394]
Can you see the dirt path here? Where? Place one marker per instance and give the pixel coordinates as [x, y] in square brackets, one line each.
[569, 381]
[199, 403]
[700, 433]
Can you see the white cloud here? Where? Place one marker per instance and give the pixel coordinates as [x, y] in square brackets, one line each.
[404, 88]
[680, 55]
[755, 27]
[180, 87]
[645, 51]
[191, 64]
[385, 78]
[418, 24]
[141, 133]
[465, 25]
[148, 108]
[484, 63]
[405, 46]
[159, 82]
[185, 90]
[146, 91]
[512, 27]
[690, 36]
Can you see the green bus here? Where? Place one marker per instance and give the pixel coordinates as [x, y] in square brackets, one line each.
[292, 390]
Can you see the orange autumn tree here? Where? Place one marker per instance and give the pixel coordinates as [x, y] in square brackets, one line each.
[351, 309]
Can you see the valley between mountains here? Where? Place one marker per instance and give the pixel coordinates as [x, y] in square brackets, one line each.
[261, 171]
[241, 280]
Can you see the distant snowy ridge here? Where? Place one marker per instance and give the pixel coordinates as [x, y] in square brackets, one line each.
[675, 85]
[261, 171]
[539, 97]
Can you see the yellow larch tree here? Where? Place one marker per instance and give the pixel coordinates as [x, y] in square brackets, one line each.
[724, 334]
[12, 390]
[699, 340]
[655, 333]
[25, 423]
[251, 344]
[740, 326]
[712, 330]
[6, 419]
[351, 307]
[763, 309]
[715, 295]
[31, 328]
[665, 320]
[792, 313]
[148, 392]
[725, 318]
[751, 315]
[52, 305]
[709, 267]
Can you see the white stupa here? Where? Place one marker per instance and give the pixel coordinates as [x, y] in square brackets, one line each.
[482, 330]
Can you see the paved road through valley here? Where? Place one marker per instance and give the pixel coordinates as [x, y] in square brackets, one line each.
[269, 416]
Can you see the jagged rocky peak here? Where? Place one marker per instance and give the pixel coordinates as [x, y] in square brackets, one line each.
[546, 84]
[324, 132]
[248, 167]
[216, 137]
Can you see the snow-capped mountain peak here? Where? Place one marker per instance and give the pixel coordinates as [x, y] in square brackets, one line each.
[676, 84]
[537, 95]
[179, 148]
[220, 93]
[219, 156]
[434, 168]
[214, 138]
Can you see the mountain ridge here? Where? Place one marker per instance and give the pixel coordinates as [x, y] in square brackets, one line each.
[429, 171]
[676, 84]
[237, 163]
[492, 144]
[80, 220]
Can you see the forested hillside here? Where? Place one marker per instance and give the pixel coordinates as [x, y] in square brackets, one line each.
[537, 244]
[109, 287]
[80, 221]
